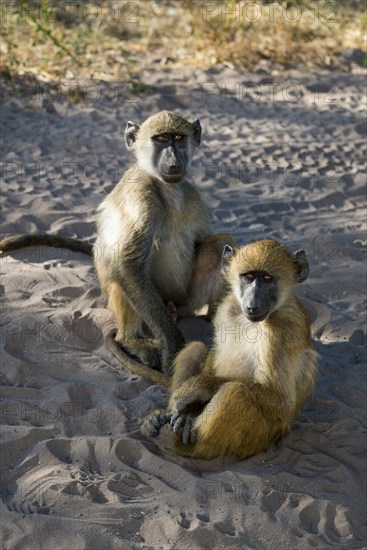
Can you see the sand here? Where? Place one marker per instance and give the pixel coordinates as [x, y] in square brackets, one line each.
[283, 156]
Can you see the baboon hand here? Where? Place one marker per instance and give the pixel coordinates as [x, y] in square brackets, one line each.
[185, 408]
[184, 422]
[182, 403]
[155, 421]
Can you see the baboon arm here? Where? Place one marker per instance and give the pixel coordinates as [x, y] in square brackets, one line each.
[198, 389]
[133, 276]
[146, 301]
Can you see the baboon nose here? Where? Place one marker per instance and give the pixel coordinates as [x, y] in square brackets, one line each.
[174, 169]
[252, 310]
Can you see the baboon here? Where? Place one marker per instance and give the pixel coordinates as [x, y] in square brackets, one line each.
[155, 256]
[153, 241]
[247, 391]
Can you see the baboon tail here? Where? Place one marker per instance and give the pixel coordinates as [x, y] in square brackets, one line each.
[43, 239]
[135, 367]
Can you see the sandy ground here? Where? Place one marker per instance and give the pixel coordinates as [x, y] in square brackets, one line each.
[282, 157]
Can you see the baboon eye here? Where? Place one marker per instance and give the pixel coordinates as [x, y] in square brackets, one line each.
[249, 276]
[267, 278]
[161, 138]
[178, 137]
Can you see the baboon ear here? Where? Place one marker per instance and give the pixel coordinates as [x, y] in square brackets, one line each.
[303, 268]
[226, 256]
[130, 134]
[196, 126]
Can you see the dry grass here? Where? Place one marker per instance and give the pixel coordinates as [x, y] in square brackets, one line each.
[114, 40]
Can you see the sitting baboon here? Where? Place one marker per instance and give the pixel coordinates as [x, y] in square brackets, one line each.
[154, 254]
[234, 400]
[154, 247]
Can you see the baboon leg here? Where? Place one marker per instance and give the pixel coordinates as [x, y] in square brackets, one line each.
[230, 425]
[137, 368]
[188, 362]
[129, 328]
[218, 425]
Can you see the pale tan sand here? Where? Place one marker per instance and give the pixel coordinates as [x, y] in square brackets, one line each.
[76, 473]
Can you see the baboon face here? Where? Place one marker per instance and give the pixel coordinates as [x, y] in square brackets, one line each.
[262, 275]
[163, 145]
[170, 154]
[258, 294]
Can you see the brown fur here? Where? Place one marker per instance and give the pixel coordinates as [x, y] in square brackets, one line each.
[43, 239]
[234, 400]
[153, 248]
[164, 121]
[135, 367]
[153, 241]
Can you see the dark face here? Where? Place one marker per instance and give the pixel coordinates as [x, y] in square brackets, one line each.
[258, 294]
[171, 156]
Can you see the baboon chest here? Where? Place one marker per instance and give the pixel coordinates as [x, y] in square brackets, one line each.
[172, 261]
